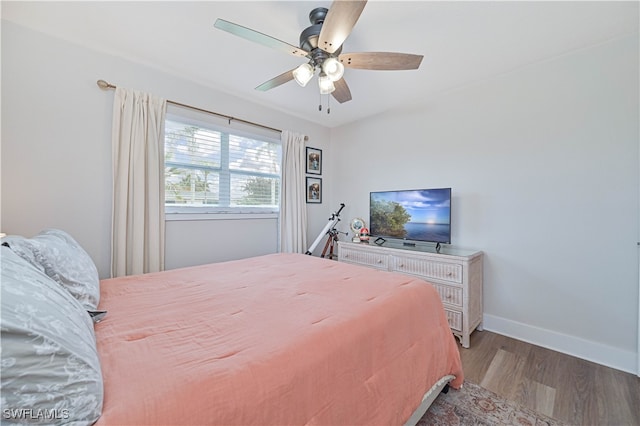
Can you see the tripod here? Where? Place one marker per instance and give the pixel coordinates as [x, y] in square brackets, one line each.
[331, 231]
[333, 237]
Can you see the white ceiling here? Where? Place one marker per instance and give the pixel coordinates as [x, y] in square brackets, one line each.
[462, 43]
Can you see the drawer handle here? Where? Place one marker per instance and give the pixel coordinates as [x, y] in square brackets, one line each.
[379, 260]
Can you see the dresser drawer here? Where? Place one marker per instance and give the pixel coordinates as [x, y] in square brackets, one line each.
[428, 269]
[361, 257]
[454, 318]
[449, 294]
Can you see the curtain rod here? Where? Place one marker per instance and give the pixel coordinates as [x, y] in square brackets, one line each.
[105, 86]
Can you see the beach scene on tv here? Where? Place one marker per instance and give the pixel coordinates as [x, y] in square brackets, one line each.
[420, 215]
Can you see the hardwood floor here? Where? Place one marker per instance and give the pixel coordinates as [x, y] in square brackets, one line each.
[570, 389]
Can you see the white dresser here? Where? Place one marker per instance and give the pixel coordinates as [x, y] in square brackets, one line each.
[456, 274]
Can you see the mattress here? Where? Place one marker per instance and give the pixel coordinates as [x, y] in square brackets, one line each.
[284, 339]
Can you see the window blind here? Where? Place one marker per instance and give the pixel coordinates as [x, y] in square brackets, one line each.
[212, 169]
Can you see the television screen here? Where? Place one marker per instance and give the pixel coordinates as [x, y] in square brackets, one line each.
[419, 215]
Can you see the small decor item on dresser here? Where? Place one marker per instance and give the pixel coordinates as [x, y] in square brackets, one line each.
[314, 161]
[364, 235]
[356, 225]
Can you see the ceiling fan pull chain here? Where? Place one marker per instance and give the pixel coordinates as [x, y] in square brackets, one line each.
[328, 107]
[320, 103]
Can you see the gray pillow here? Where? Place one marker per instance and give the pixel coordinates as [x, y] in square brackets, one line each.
[50, 365]
[58, 255]
[24, 248]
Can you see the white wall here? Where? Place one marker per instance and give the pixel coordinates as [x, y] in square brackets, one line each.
[56, 149]
[543, 164]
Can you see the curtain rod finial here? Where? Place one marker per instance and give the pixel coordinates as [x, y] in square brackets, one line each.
[103, 84]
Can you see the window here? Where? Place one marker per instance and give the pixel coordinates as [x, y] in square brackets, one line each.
[213, 169]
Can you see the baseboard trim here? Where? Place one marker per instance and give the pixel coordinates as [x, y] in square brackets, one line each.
[585, 349]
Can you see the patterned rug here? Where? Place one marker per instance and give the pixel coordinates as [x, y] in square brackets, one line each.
[475, 405]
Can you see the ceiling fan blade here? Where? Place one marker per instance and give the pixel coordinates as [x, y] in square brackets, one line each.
[276, 81]
[342, 93]
[340, 20]
[381, 61]
[260, 38]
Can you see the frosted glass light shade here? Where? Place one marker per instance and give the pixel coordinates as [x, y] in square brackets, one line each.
[333, 68]
[303, 74]
[325, 84]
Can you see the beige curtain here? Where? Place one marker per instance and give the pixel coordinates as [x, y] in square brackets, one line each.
[137, 231]
[293, 209]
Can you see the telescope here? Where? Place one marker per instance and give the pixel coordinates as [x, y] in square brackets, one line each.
[330, 230]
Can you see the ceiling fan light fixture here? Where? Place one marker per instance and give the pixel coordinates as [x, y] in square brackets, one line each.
[333, 68]
[303, 74]
[325, 84]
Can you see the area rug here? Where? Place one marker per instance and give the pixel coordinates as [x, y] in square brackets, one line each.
[475, 405]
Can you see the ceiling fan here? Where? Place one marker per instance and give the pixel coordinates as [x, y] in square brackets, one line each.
[321, 46]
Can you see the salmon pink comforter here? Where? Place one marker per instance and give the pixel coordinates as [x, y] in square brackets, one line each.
[281, 339]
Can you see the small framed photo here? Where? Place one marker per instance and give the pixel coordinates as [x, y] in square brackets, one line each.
[314, 190]
[314, 161]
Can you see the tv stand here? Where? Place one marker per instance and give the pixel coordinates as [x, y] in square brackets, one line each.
[455, 274]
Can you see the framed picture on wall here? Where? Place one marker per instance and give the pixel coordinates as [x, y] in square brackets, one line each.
[314, 190]
[314, 161]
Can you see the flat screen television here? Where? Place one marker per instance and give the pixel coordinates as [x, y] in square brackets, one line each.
[416, 215]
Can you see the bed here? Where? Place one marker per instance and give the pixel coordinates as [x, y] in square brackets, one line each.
[284, 339]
